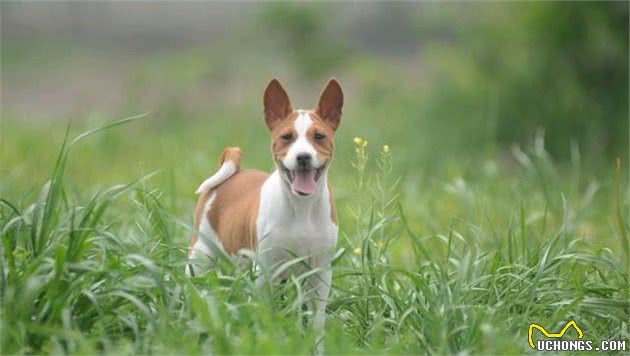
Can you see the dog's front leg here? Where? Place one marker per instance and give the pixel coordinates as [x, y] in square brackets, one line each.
[320, 284]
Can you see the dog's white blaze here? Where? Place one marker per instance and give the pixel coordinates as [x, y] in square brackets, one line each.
[302, 144]
[228, 168]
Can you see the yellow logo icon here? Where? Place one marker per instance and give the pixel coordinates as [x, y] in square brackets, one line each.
[552, 335]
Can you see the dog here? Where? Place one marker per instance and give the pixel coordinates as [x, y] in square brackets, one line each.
[284, 215]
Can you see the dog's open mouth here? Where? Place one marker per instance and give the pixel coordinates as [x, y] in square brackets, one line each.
[303, 180]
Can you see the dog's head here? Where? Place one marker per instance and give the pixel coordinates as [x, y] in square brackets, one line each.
[302, 141]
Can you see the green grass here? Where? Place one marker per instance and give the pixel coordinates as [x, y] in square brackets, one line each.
[460, 259]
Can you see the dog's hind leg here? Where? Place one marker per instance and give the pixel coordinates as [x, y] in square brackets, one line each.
[198, 259]
[205, 246]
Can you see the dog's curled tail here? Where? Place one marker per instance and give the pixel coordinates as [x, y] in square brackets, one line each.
[229, 164]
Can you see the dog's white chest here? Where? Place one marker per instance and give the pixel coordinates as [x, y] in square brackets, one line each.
[291, 227]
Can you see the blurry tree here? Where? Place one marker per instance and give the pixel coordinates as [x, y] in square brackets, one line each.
[574, 83]
[514, 68]
[299, 33]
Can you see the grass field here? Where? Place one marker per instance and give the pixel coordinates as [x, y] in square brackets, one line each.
[458, 259]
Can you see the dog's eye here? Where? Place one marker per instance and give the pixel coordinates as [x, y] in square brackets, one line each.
[287, 137]
[319, 136]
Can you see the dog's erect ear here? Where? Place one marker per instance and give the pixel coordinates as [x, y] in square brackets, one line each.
[276, 103]
[330, 104]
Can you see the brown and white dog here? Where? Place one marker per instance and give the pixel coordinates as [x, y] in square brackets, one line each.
[283, 215]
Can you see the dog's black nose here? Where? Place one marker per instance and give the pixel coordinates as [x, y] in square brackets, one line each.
[304, 159]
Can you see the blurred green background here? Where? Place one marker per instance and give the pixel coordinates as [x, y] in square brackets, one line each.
[454, 88]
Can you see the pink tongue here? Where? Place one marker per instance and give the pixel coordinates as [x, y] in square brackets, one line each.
[304, 181]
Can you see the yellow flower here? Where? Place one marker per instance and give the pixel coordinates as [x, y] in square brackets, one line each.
[364, 143]
[386, 148]
[357, 251]
[358, 140]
